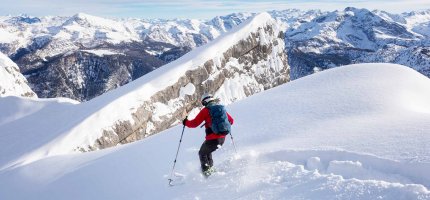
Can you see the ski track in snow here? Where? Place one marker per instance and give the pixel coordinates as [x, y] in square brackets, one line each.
[285, 175]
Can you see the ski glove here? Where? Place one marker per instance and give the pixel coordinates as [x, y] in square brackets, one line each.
[185, 120]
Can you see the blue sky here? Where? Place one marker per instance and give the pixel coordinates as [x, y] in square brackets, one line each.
[191, 8]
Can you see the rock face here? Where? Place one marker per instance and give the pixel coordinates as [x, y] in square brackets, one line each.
[12, 82]
[85, 74]
[254, 63]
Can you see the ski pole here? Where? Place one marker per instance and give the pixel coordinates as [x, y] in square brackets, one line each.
[234, 146]
[174, 163]
[202, 125]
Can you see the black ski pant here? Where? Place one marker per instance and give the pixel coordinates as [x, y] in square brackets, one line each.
[205, 153]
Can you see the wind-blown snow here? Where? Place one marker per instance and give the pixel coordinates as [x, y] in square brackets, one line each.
[355, 132]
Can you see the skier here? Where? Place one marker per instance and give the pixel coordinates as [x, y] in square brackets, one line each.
[214, 119]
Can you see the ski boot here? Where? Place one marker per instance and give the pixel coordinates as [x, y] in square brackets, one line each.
[209, 172]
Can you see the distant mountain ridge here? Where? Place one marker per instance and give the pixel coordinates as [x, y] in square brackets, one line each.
[359, 36]
[57, 54]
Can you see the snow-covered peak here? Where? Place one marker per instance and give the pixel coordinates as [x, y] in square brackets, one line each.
[90, 29]
[24, 19]
[225, 23]
[89, 20]
[293, 18]
[420, 17]
[390, 16]
[186, 32]
[12, 82]
[295, 15]
[423, 12]
[351, 28]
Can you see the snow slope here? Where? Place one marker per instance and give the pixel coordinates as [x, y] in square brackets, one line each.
[355, 132]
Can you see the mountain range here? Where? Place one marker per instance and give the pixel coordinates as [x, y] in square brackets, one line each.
[84, 56]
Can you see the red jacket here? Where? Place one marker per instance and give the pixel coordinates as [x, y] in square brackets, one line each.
[205, 116]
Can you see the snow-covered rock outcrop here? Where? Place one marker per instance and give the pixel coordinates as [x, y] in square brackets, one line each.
[247, 60]
[12, 82]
